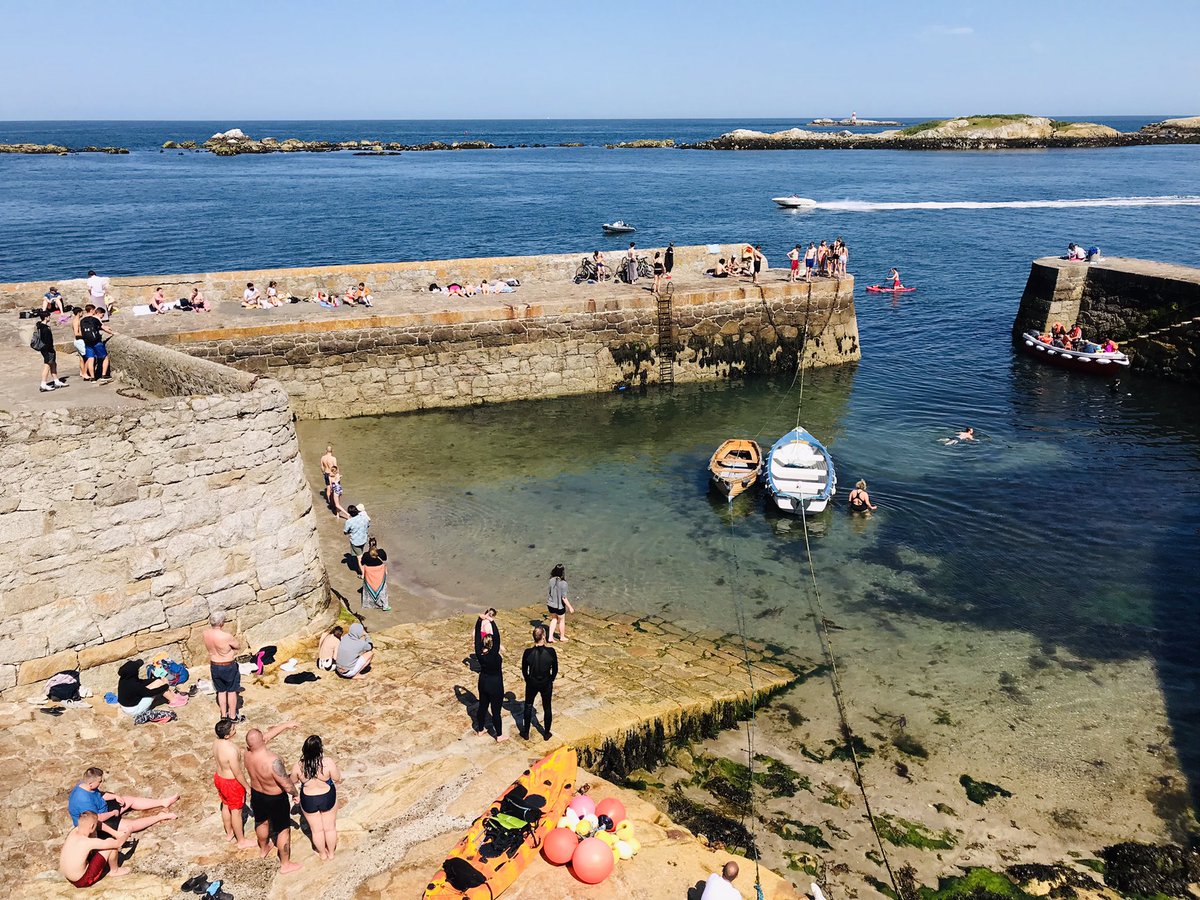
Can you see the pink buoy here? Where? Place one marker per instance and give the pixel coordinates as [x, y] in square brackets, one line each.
[611, 807]
[593, 861]
[583, 805]
[559, 846]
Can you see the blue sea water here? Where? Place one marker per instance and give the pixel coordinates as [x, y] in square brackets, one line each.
[1074, 518]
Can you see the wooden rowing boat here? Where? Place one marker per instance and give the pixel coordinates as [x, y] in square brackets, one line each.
[735, 466]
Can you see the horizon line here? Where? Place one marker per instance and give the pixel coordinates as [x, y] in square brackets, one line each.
[589, 118]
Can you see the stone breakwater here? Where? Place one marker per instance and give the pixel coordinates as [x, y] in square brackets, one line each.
[387, 364]
[131, 526]
[1151, 309]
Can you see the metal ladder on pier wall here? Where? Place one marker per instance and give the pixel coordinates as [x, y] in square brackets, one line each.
[666, 339]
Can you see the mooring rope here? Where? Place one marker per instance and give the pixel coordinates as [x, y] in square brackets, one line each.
[818, 613]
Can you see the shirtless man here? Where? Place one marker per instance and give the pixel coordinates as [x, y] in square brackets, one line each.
[269, 789]
[85, 858]
[222, 656]
[328, 464]
[231, 784]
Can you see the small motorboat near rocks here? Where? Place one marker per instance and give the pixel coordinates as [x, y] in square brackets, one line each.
[800, 474]
[618, 227]
[735, 466]
[1090, 359]
[794, 202]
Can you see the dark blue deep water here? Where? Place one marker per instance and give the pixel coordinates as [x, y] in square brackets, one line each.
[1075, 518]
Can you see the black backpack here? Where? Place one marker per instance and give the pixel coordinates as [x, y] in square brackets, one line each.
[36, 342]
[89, 330]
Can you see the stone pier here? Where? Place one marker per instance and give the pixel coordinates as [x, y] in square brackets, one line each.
[1152, 309]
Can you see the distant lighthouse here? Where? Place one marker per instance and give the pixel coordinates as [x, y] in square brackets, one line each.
[853, 118]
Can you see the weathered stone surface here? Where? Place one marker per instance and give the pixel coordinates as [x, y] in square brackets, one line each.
[110, 651]
[40, 669]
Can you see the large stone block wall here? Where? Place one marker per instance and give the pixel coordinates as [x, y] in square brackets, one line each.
[1148, 307]
[380, 278]
[335, 369]
[122, 529]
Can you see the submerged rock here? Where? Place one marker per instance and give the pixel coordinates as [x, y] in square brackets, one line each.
[1147, 870]
[645, 143]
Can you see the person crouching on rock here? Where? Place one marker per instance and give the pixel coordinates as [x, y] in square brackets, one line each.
[85, 858]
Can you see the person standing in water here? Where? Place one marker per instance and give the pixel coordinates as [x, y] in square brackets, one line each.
[860, 500]
[557, 603]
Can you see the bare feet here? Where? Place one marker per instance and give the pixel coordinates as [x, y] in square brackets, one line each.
[263, 851]
[168, 802]
[501, 739]
[119, 872]
[289, 867]
[246, 844]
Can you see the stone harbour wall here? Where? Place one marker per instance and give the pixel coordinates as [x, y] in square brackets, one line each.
[380, 278]
[122, 529]
[388, 364]
[1148, 307]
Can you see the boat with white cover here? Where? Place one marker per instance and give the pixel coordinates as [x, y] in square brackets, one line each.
[800, 474]
[794, 202]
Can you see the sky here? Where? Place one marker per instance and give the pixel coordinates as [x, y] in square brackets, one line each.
[368, 59]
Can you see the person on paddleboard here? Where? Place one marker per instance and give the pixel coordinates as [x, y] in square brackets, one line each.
[895, 276]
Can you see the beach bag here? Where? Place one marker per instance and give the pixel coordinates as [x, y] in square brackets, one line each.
[461, 875]
[152, 716]
[184, 304]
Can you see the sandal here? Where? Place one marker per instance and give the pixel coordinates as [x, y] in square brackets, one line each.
[195, 885]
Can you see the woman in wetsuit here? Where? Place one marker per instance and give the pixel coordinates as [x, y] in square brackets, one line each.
[491, 687]
[860, 500]
[318, 777]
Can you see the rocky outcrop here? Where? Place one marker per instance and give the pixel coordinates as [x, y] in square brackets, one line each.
[235, 142]
[998, 132]
[641, 144]
[56, 149]
[825, 123]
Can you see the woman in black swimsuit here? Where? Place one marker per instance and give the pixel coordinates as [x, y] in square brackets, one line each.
[318, 777]
[860, 500]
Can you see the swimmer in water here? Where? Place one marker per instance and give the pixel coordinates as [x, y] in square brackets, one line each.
[860, 500]
[967, 435]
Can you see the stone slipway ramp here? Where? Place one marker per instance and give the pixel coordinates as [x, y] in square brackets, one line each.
[415, 774]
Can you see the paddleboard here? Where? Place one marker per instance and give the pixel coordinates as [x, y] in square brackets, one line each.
[884, 289]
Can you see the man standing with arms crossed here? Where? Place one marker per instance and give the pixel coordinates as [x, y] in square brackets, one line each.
[270, 786]
[222, 657]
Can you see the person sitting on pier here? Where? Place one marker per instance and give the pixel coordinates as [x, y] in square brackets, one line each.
[53, 300]
[272, 298]
[718, 271]
[159, 302]
[250, 296]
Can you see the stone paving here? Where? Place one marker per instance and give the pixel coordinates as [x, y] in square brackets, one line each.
[415, 773]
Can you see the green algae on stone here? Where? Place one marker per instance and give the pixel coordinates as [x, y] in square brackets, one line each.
[980, 792]
[909, 745]
[976, 884]
[903, 833]
[780, 779]
[795, 830]
[715, 827]
[882, 886]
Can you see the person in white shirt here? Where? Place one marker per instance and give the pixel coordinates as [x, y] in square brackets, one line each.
[97, 288]
[250, 296]
[720, 885]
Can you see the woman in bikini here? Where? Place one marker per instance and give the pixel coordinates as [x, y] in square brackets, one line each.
[335, 493]
[318, 777]
[860, 500]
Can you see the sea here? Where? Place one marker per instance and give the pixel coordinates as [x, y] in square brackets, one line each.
[1072, 525]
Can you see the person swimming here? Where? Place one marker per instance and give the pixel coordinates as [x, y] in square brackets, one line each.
[967, 434]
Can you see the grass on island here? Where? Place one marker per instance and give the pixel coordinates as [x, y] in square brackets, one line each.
[989, 121]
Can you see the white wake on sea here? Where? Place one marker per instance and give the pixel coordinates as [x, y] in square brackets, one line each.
[869, 206]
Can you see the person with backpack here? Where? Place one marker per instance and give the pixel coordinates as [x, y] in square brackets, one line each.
[91, 330]
[539, 666]
[43, 342]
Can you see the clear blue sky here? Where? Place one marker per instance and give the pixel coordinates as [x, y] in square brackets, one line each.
[268, 59]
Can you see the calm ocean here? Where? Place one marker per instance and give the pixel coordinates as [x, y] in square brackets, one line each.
[1073, 520]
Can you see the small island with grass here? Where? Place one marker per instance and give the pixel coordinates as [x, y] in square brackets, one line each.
[1006, 131]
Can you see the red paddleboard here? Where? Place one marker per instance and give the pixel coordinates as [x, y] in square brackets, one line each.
[884, 289]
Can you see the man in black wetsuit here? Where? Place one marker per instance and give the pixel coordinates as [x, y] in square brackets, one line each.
[539, 665]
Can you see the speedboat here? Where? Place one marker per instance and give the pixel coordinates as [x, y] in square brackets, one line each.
[800, 474]
[794, 202]
[1094, 363]
[618, 227]
[735, 466]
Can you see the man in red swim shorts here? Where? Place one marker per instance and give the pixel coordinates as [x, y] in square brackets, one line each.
[230, 784]
[85, 858]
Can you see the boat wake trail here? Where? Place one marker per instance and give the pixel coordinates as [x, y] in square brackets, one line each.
[868, 206]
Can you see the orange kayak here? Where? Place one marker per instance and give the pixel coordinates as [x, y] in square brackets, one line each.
[500, 843]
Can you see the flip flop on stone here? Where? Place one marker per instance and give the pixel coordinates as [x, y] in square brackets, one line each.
[195, 885]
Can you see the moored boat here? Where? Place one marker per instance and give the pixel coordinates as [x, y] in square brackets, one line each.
[735, 466]
[800, 473]
[618, 227]
[1097, 363]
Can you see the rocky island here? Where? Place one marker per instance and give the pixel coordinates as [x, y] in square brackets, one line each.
[825, 123]
[994, 132]
[56, 150]
[235, 142]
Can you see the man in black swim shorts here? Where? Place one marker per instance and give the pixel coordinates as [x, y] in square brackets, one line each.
[270, 787]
